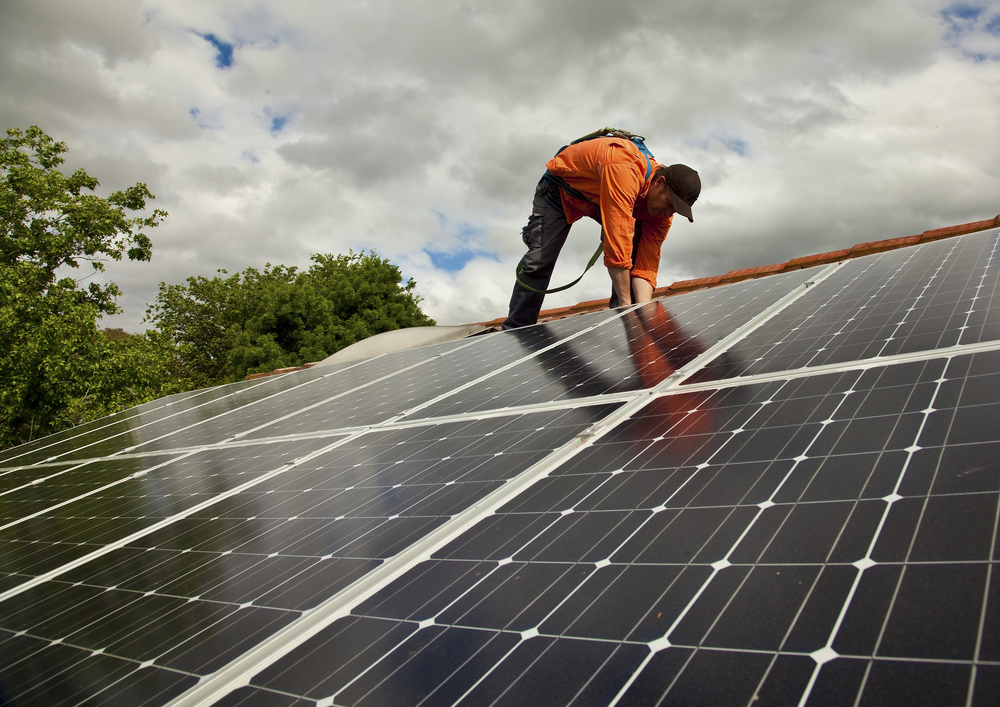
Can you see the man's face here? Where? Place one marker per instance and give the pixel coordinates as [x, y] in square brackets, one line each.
[658, 198]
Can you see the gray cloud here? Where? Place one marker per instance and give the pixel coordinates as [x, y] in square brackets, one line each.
[371, 136]
[422, 127]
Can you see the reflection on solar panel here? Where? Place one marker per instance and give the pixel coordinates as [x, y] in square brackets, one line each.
[780, 491]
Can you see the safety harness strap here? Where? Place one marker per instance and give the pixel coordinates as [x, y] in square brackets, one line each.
[593, 259]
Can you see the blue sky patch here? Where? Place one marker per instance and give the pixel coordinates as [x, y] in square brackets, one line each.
[963, 21]
[463, 240]
[455, 260]
[224, 59]
[720, 136]
[735, 144]
[963, 12]
[278, 122]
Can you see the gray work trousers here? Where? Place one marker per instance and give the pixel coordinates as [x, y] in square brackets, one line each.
[544, 235]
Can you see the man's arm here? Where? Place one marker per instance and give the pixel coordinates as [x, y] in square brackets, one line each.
[643, 290]
[620, 281]
[624, 284]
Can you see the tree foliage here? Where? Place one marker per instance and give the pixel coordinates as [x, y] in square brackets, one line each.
[48, 221]
[56, 368]
[257, 321]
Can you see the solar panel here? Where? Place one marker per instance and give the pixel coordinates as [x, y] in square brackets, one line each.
[783, 491]
[913, 299]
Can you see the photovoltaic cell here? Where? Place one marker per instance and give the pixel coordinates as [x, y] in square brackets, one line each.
[546, 516]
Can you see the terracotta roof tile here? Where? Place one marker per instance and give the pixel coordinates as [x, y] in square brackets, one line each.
[750, 273]
[808, 261]
[881, 246]
[589, 305]
[959, 230]
[695, 284]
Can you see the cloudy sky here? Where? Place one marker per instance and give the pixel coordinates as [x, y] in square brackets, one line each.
[418, 128]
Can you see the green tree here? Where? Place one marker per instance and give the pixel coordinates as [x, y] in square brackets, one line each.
[365, 297]
[205, 317]
[257, 321]
[50, 348]
[127, 370]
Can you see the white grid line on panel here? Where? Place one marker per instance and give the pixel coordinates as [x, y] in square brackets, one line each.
[588, 401]
[351, 391]
[43, 479]
[236, 444]
[4, 470]
[972, 302]
[175, 455]
[861, 365]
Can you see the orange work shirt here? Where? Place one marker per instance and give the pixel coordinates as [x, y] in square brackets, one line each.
[611, 173]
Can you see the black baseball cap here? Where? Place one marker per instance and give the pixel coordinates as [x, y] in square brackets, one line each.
[685, 186]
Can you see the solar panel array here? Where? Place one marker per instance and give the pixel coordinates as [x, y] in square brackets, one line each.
[781, 491]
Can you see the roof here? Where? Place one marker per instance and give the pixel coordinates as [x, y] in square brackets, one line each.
[783, 490]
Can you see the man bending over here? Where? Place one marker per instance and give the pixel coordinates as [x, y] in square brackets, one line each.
[634, 199]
